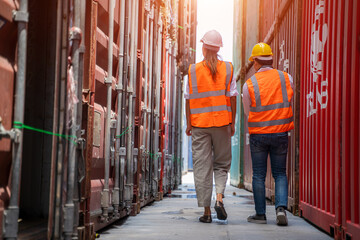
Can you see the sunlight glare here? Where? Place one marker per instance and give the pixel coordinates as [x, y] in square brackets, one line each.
[218, 15]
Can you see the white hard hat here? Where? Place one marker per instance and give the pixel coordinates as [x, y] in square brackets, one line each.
[212, 40]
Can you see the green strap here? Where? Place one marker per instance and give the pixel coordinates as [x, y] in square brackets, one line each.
[125, 131]
[181, 27]
[191, 49]
[20, 125]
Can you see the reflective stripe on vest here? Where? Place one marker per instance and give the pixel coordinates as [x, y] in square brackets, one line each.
[197, 95]
[210, 109]
[206, 94]
[193, 78]
[271, 123]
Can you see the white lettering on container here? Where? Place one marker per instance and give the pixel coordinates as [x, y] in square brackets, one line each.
[319, 35]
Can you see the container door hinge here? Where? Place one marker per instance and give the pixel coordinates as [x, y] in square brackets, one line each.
[338, 231]
[14, 134]
[21, 16]
[10, 222]
[68, 219]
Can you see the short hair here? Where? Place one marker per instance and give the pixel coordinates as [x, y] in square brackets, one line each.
[264, 62]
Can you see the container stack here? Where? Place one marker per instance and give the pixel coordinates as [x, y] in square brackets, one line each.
[101, 135]
[317, 43]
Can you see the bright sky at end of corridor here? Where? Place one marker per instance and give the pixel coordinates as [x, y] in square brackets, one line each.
[218, 15]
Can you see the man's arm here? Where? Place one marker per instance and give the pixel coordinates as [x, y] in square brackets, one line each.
[246, 99]
[188, 119]
[233, 94]
[233, 114]
[293, 88]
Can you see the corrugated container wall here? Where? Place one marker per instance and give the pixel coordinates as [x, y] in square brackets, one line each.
[186, 55]
[329, 167]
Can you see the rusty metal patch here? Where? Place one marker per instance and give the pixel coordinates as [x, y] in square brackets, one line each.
[97, 129]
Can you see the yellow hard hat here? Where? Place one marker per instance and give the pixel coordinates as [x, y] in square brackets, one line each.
[260, 49]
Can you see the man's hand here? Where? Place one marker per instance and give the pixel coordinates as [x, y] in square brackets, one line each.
[188, 119]
[232, 129]
[233, 114]
[189, 130]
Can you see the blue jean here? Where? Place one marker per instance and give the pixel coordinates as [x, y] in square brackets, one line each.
[261, 145]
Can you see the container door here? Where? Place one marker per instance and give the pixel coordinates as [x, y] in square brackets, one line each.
[350, 186]
[321, 79]
[8, 43]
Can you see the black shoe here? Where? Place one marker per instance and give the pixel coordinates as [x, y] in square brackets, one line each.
[281, 218]
[259, 219]
[205, 219]
[220, 210]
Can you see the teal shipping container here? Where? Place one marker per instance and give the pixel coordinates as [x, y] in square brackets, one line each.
[242, 45]
[236, 169]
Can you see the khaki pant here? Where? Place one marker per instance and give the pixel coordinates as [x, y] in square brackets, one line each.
[211, 149]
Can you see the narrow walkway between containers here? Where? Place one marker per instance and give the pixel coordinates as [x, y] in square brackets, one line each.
[176, 217]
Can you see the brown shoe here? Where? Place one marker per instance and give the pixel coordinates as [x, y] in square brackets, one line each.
[205, 219]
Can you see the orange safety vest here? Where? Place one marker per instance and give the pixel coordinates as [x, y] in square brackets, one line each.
[210, 100]
[270, 112]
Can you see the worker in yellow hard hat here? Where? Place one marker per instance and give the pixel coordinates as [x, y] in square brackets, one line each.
[261, 51]
[267, 99]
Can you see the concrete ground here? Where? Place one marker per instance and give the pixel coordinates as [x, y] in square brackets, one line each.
[176, 217]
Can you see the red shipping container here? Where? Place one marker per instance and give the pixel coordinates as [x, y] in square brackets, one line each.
[329, 145]
[350, 181]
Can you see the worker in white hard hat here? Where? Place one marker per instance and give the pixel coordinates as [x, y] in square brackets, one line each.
[210, 97]
[267, 97]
